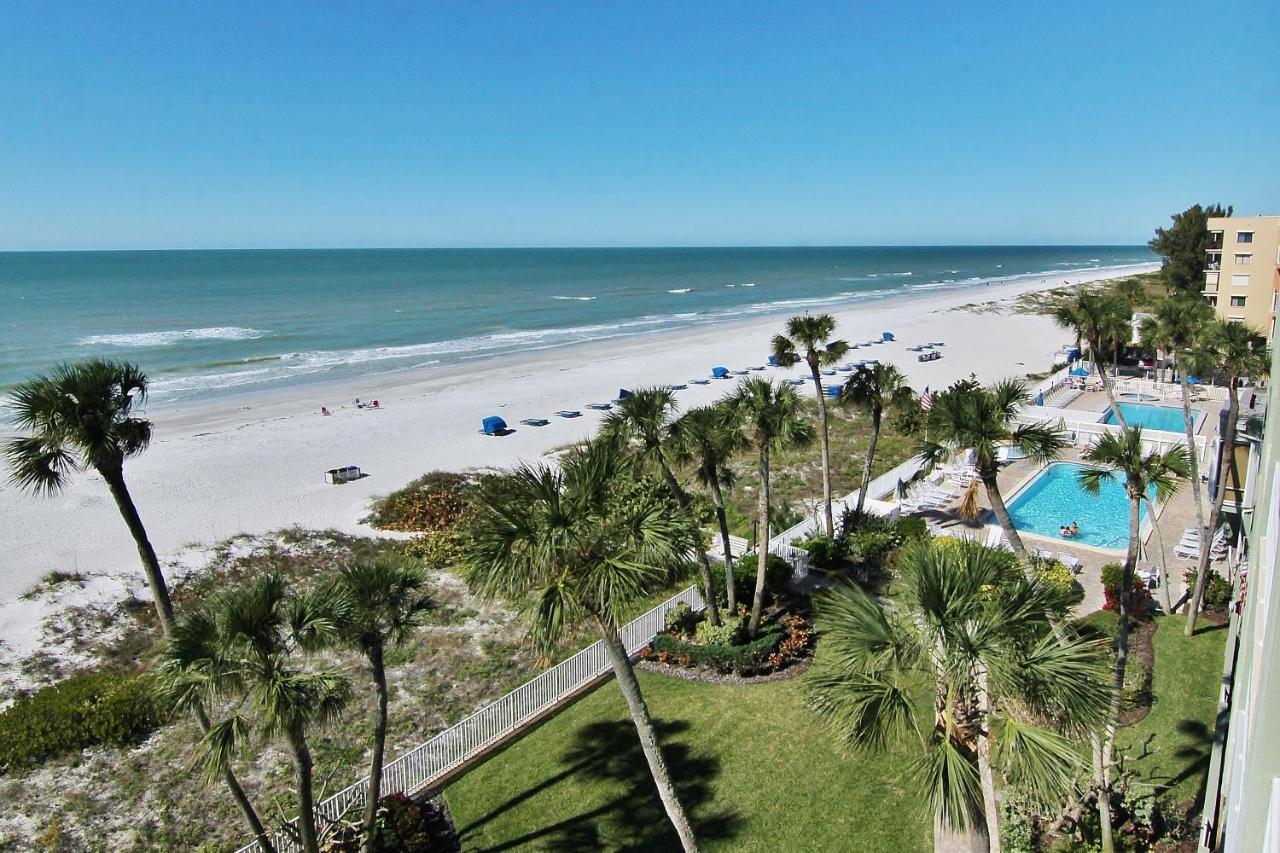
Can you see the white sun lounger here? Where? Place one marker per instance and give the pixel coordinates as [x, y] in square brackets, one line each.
[1072, 563]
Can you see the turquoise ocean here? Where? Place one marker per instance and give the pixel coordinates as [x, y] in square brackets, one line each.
[209, 323]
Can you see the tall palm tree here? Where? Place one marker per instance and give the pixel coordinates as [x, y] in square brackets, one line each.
[706, 438]
[642, 423]
[809, 339]
[1237, 351]
[83, 416]
[1118, 329]
[1123, 455]
[1132, 291]
[382, 601]
[583, 539]
[249, 646]
[1091, 316]
[970, 416]
[873, 389]
[965, 620]
[772, 420]
[1175, 329]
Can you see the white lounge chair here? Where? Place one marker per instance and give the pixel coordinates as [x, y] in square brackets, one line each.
[1072, 563]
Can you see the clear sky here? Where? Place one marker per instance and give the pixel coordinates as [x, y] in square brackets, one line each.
[128, 125]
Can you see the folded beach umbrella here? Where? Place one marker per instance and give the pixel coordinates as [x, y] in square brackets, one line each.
[887, 336]
[720, 372]
[493, 425]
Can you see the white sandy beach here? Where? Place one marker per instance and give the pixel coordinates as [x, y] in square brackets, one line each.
[255, 463]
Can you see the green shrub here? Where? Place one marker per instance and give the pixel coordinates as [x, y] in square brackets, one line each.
[680, 619]
[1055, 574]
[728, 633]
[777, 575]
[824, 552]
[83, 711]
[1217, 590]
[744, 659]
[434, 501]
[439, 549]
[1112, 576]
[912, 527]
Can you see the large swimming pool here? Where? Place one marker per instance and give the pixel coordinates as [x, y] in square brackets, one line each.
[1167, 418]
[1055, 497]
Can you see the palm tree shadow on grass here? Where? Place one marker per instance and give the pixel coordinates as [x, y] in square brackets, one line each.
[608, 753]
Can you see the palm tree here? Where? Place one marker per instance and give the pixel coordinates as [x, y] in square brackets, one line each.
[772, 419]
[705, 438]
[966, 621]
[383, 601]
[642, 423]
[968, 415]
[584, 538]
[875, 388]
[1118, 329]
[1092, 317]
[1132, 291]
[1175, 329]
[248, 646]
[808, 339]
[1142, 472]
[1237, 351]
[83, 416]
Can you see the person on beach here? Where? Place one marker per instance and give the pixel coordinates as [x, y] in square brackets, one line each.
[324, 410]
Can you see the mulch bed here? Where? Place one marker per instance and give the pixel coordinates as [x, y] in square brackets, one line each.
[710, 676]
[1142, 653]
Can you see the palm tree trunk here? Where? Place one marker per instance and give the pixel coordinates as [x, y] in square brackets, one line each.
[1122, 661]
[871, 456]
[1226, 446]
[704, 562]
[723, 520]
[1002, 515]
[302, 767]
[1164, 568]
[164, 611]
[826, 452]
[150, 564]
[1193, 470]
[374, 793]
[630, 688]
[762, 546]
[990, 808]
[1102, 786]
[1107, 389]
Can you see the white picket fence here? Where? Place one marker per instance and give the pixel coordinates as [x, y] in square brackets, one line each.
[422, 767]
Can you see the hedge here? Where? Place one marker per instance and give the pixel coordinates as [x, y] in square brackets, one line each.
[745, 659]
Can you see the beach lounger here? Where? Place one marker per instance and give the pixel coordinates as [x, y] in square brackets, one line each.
[600, 407]
[758, 367]
[569, 413]
[1072, 563]
[994, 535]
[828, 373]
[699, 381]
[679, 387]
[795, 381]
[493, 425]
[740, 372]
[535, 421]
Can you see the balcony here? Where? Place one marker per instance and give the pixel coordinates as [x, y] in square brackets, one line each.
[1210, 282]
[1215, 241]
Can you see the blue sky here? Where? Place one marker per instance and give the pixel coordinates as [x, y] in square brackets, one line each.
[492, 124]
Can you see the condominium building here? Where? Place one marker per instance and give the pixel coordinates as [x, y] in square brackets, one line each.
[1242, 793]
[1242, 271]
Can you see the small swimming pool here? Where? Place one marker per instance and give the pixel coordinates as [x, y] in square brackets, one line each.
[1166, 418]
[1055, 497]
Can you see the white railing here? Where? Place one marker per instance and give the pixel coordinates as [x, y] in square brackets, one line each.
[422, 767]
[1086, 433]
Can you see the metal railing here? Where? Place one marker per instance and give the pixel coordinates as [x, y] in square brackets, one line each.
[422, 767]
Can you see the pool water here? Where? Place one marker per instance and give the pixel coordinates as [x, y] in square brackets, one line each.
[1055, 498]
[1167, 418]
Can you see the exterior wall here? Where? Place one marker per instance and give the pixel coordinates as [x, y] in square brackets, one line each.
[1242, 809]
[1262, 270]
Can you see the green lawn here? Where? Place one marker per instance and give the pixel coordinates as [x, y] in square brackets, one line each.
[756, 770]
[1170, 746]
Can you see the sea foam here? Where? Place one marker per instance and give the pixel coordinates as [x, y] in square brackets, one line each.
[173, 336]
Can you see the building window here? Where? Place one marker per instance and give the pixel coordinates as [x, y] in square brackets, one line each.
[1243, 258]
[1244, 236]
[1240, 279]
[1212, 300]
[1235, 318]
[1237, 302]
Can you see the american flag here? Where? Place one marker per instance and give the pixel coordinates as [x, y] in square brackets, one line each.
[926, 400]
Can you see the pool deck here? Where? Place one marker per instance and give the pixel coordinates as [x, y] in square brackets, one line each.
[1171, 517]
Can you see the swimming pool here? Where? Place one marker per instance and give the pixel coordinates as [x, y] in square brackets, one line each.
[1167, 418]
[1055, 497]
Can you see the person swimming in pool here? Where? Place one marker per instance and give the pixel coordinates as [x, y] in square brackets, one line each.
[1075, 529]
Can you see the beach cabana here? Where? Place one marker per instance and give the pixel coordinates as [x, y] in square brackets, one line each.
[886, 336]
[342, 475]
[720, 372]
[773, 361]
[493, 425]
[623, 393]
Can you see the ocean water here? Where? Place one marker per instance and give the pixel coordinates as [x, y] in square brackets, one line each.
[204, 323]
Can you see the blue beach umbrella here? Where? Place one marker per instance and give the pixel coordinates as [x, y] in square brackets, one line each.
[1079, 371]
[1191, 380]
[1040, 399]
